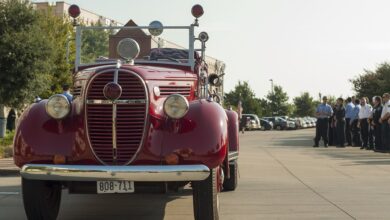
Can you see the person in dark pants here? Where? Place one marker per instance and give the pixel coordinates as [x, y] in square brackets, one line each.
[364, 114]
[331, 129]
[348, 115]
[323, 112]
[339, 118]
[376, 125]
[385, 115]
[354, 125]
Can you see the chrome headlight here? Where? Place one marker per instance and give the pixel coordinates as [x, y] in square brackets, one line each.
[176, 106]
[58, 106]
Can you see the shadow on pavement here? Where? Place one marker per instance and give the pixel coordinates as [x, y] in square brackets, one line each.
[298, 141]
[117, 206]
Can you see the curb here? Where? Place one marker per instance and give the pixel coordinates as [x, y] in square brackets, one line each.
[9, 172]
[8, 168]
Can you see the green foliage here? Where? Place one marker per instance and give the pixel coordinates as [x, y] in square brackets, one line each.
[32, 53]
[24, 51]
[278, 102]
[243, 91]
[94, 44]
[59, 31]
[304, 105]
[372, 83]
[6, 144]
[8, 139]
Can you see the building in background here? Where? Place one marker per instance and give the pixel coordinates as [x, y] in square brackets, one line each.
[86, 17]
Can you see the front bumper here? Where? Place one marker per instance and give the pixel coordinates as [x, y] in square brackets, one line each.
[158, 173]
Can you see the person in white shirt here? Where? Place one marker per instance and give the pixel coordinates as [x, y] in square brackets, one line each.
[385, 116]
[364, 113]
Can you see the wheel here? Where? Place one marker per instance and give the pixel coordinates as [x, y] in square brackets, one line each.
[41, 199]
[231, 183]
[205, 197]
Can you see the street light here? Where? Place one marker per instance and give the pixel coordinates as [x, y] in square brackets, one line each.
[272, 86]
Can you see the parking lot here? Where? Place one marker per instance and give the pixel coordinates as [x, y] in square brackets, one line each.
[281, 177]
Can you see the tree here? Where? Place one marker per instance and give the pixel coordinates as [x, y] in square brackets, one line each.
[243, 91]
[94, 44]
[304, 105]
[372, 83]
[24, 51]
[277, 102]
[59, 31]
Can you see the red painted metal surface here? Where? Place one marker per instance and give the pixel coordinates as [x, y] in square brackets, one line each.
[233, 130]
[201, 137]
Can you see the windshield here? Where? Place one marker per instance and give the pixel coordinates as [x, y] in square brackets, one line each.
[100, 44]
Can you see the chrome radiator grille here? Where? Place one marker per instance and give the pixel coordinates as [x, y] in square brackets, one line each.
[116, 128]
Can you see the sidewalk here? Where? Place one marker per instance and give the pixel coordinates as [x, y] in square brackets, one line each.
[7, 167]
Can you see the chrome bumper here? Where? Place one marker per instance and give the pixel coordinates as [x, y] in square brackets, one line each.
[156, 173]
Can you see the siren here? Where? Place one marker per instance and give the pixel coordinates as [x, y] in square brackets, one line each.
[203, 37]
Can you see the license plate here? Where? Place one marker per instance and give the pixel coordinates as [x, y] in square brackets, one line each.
[115, 187]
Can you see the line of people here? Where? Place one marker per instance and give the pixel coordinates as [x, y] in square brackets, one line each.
[355, 122]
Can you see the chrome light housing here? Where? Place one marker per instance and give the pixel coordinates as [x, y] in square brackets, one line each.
[176, 106]
[128, 49]
[58, 106]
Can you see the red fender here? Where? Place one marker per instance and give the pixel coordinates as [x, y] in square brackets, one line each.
[200, 137]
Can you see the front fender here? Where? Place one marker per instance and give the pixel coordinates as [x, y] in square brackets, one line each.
[39, 137]
[199, 137]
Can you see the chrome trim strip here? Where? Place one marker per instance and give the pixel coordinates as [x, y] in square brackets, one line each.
[114, 138]
[233, 155]
[157, 173]
[109, 102]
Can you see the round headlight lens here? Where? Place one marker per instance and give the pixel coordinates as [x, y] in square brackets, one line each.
[57, 106]
[176, 106]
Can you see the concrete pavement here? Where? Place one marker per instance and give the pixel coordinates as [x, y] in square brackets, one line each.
[7, 167]
[281, 177]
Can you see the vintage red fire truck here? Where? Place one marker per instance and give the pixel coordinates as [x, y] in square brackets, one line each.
[133, 125]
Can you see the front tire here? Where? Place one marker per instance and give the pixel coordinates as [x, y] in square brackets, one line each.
[41, 199]
[231, 183]
[205, 197]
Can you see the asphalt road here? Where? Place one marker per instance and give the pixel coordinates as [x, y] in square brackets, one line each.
[281, 177]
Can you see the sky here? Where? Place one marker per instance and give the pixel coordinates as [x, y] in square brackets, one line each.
[302, 45]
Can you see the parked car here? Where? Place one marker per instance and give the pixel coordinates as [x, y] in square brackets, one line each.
[252, 122]
[136, 125]
[266, 125]
[280, 123]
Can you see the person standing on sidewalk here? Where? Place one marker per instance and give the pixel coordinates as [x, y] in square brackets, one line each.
[364, 114]
[323, 112]
[356, 142]
[376, 115]
[385, 115]
[339, 117]
[348, 115]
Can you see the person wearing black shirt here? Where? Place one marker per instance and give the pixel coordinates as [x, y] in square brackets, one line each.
[376, 115]
[339, 117]
[332, 129]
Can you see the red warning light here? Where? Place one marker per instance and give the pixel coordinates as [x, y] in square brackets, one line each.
[74, 11]
[197, 11]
